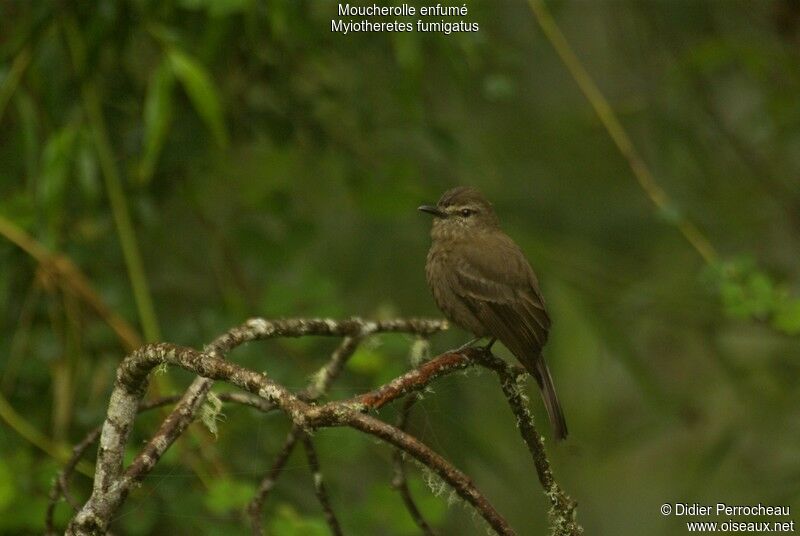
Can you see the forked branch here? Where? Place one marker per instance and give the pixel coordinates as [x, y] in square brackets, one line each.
[113, 482]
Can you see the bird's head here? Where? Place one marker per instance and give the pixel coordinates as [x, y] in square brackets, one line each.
[461, 211]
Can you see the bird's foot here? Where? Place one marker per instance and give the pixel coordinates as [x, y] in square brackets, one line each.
[468, 344]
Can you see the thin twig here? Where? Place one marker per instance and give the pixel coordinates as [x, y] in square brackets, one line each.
[461, 483]
[619, 136]
[400, 481]
[319, 486]
[325, 376]
[69, 277]
[111, 485]
[256, 329]
[61, 483]
[20, 341]
[268, 482]
[320, 382]
[353, 329]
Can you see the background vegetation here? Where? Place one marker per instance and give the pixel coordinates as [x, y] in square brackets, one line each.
[204, 161]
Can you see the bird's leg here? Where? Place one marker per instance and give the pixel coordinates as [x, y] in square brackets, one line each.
[467, 345]
[489, 344]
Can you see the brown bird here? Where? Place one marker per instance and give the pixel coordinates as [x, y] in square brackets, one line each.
[482, 282]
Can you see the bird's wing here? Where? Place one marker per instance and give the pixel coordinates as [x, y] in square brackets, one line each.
[498, 285]
[496, 282]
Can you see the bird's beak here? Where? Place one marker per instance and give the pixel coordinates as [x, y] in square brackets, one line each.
[430, 209]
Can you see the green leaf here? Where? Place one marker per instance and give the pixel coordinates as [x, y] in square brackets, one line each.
[734, 301]
[746, 291]
[201, 91]
[158, 108]
[762, 294]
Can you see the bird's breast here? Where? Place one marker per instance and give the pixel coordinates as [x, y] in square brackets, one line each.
[439, 271]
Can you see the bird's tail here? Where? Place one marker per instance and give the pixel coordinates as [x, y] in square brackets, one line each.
[540, 371]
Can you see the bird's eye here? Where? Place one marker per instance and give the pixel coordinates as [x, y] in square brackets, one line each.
[466, 212]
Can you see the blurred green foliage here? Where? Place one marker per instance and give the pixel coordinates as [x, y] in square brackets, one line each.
[747, 292]
[272, 168]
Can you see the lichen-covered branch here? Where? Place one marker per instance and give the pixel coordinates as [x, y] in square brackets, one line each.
[457, 480]
[415, 380]
[60, 485]
[113, 482]
[512, 381]
[111, 485]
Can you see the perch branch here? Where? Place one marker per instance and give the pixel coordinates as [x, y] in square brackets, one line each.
[111, 487]
[352, 329]
[112, 483]
[512, 380]
[415, 380]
